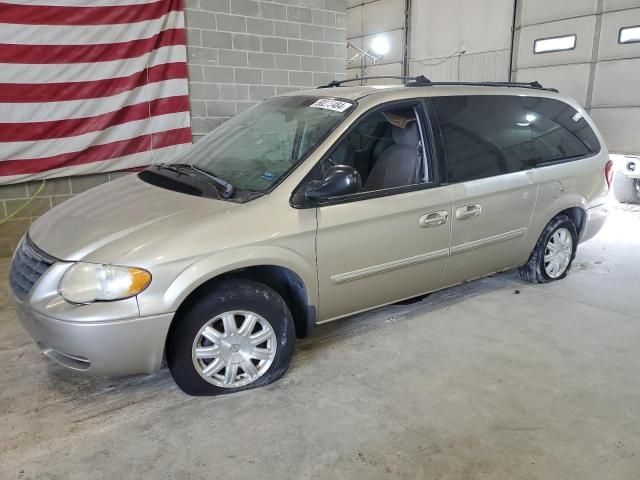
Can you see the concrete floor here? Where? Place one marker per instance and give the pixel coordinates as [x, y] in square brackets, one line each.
[473, 382]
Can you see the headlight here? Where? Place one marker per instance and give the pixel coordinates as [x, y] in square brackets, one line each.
[90, 282]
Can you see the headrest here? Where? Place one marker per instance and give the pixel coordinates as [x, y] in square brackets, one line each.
[407, 136]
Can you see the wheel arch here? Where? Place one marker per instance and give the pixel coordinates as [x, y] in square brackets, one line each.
[284, 272]
[578, 215]
[574, 206]
[283, 280]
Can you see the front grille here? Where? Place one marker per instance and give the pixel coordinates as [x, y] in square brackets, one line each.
[29, 263]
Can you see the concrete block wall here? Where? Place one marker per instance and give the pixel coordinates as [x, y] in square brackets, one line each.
[243, 51]
[239, 52]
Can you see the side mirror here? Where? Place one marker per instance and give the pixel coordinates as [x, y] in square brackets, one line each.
[339, 180]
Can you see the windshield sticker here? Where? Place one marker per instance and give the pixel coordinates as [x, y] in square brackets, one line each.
[329, 104]
[268, 176]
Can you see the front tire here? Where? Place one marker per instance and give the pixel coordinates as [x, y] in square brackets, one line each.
[554, 252]
[626, 189]
[239, 336]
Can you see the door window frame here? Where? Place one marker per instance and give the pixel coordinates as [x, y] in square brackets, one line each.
[432, 151]
[437, 142]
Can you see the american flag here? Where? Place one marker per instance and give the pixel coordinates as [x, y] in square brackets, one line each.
[90, 86]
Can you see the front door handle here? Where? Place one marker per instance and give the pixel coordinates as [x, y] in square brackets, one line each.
[468, 211]
[434, 219]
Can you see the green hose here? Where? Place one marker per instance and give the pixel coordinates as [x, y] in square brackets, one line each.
[25, 204]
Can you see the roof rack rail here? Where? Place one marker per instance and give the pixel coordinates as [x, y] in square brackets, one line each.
[337, 83]
[422, 81]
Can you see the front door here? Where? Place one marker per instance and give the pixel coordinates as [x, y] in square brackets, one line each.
[390, 241]
[381, 250]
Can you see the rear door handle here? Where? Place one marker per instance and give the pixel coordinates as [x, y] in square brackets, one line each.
[433, 219]
[468, 211]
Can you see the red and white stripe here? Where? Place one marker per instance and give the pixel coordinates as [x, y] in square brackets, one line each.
[90, 86]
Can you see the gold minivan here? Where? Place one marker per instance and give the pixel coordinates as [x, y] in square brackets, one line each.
[307, 208]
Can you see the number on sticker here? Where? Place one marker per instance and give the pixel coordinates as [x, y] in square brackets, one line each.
[329, 104]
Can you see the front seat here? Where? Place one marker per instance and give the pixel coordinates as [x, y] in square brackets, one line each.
[399, 164]
[343, 155]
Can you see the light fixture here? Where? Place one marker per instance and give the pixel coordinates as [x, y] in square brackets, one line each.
[555, 44]
[364, 57]
[380, 45]
[529, 117]
[629, 35]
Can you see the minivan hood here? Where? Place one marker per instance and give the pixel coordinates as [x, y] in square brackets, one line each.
[107, 222]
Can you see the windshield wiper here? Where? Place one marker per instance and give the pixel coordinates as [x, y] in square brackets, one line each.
[168, 167]
[229, 189]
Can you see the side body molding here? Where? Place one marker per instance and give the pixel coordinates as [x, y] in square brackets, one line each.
[389, 266]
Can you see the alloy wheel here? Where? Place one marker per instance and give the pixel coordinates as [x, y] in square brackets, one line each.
[557, 253]
[234, 349]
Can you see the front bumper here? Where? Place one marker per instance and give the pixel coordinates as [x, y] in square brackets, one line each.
[111, 348]
[596, 217]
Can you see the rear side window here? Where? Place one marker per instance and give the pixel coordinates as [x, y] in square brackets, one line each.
[487, 135]
[559, 131]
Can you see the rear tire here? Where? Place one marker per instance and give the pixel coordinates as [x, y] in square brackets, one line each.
[240, 336]
[626, 189]
[554, 252]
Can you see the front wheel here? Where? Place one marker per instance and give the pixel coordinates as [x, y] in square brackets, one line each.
[554, 252]
[239, 336]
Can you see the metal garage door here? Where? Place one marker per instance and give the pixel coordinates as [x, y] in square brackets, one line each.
[365, 20]
[461, 40]
[590, 50]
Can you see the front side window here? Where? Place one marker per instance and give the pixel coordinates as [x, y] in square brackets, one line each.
[488, 135]
[386, 148]
[252, 151]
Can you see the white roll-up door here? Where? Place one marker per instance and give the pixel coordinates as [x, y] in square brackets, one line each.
[599, 67]
[461, 40]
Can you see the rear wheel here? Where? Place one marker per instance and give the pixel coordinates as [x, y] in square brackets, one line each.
[239, 336]
[554, 252]
[626, 189]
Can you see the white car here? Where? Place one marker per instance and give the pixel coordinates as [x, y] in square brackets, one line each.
[626, 181]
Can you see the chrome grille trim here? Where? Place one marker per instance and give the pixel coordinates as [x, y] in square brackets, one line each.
[28, 265]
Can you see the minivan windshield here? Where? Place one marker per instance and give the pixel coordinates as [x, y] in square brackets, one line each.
[254, 150]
